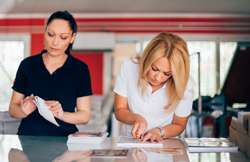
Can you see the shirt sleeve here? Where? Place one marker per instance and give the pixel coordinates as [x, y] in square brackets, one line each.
[122, 79]
[84, 88]
[185, 106]
[20, 80]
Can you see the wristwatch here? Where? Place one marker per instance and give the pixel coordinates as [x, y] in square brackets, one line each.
[162, 132]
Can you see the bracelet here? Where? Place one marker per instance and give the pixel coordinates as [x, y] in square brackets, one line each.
[162, 132]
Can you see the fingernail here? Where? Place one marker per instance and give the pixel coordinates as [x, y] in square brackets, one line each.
[141, 140]
[137, 134]
[141, 134]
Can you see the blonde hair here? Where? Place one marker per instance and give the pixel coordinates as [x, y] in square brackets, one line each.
[175, 50]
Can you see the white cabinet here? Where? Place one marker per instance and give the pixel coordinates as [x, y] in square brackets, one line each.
[8, 125]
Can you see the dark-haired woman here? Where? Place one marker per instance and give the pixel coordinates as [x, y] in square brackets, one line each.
[58, 78]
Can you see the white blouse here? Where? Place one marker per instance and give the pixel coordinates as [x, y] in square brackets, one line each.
[150, 107]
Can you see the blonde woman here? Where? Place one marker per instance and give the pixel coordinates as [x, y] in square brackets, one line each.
[154, 92]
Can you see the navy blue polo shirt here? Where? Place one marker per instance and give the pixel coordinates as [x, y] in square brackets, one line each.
[65, 85]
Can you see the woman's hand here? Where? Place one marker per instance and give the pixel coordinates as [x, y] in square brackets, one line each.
[139, 126]
[153, 135]
[56, 109]
[27, 105]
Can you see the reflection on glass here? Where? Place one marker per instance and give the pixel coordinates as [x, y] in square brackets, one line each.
[173, 151]
[154, 155]
[207, 51]
[38, 148]
[77, 156]
[6, 143]
[16, 155]
[147, 154]
[227, 50]
[209, 157]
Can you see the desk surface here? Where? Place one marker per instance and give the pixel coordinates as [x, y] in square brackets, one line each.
[15, 148]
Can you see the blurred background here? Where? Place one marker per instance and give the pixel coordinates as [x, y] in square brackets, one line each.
[110, 31]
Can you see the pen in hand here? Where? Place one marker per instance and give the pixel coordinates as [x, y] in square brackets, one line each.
[138, 138]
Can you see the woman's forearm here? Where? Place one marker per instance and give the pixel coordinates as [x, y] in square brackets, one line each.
[172, 130]
[78, 117]
[125, 116]
[16, 111]
[121, 110]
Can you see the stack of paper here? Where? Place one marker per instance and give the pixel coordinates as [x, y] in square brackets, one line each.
[129, 141]
[241, 116]
[210, 145]
[44, 110]
[84, 147]
[87, 137]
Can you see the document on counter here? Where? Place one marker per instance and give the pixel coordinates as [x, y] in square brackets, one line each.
[87, 138]
[44, 110]
[210, 145]
[130, 141]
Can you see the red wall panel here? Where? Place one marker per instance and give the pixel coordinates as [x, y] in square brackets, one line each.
[36, 44]
[94, 61]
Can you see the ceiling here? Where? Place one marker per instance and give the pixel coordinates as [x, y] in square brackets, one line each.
[125, 6]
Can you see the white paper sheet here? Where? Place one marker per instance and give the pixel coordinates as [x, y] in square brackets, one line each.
[44, 110]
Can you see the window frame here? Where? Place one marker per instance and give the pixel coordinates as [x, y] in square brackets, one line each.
[18, 37]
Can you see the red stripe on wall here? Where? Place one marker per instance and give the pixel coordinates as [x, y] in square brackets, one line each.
[21, 22]
[136, 25]
[170, 31]
[174, 25]
[163, 20]
[36, 44]
[94, 60]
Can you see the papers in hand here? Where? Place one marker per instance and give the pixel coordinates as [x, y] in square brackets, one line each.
[210, 145]
[129, 141]
[44, 110]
